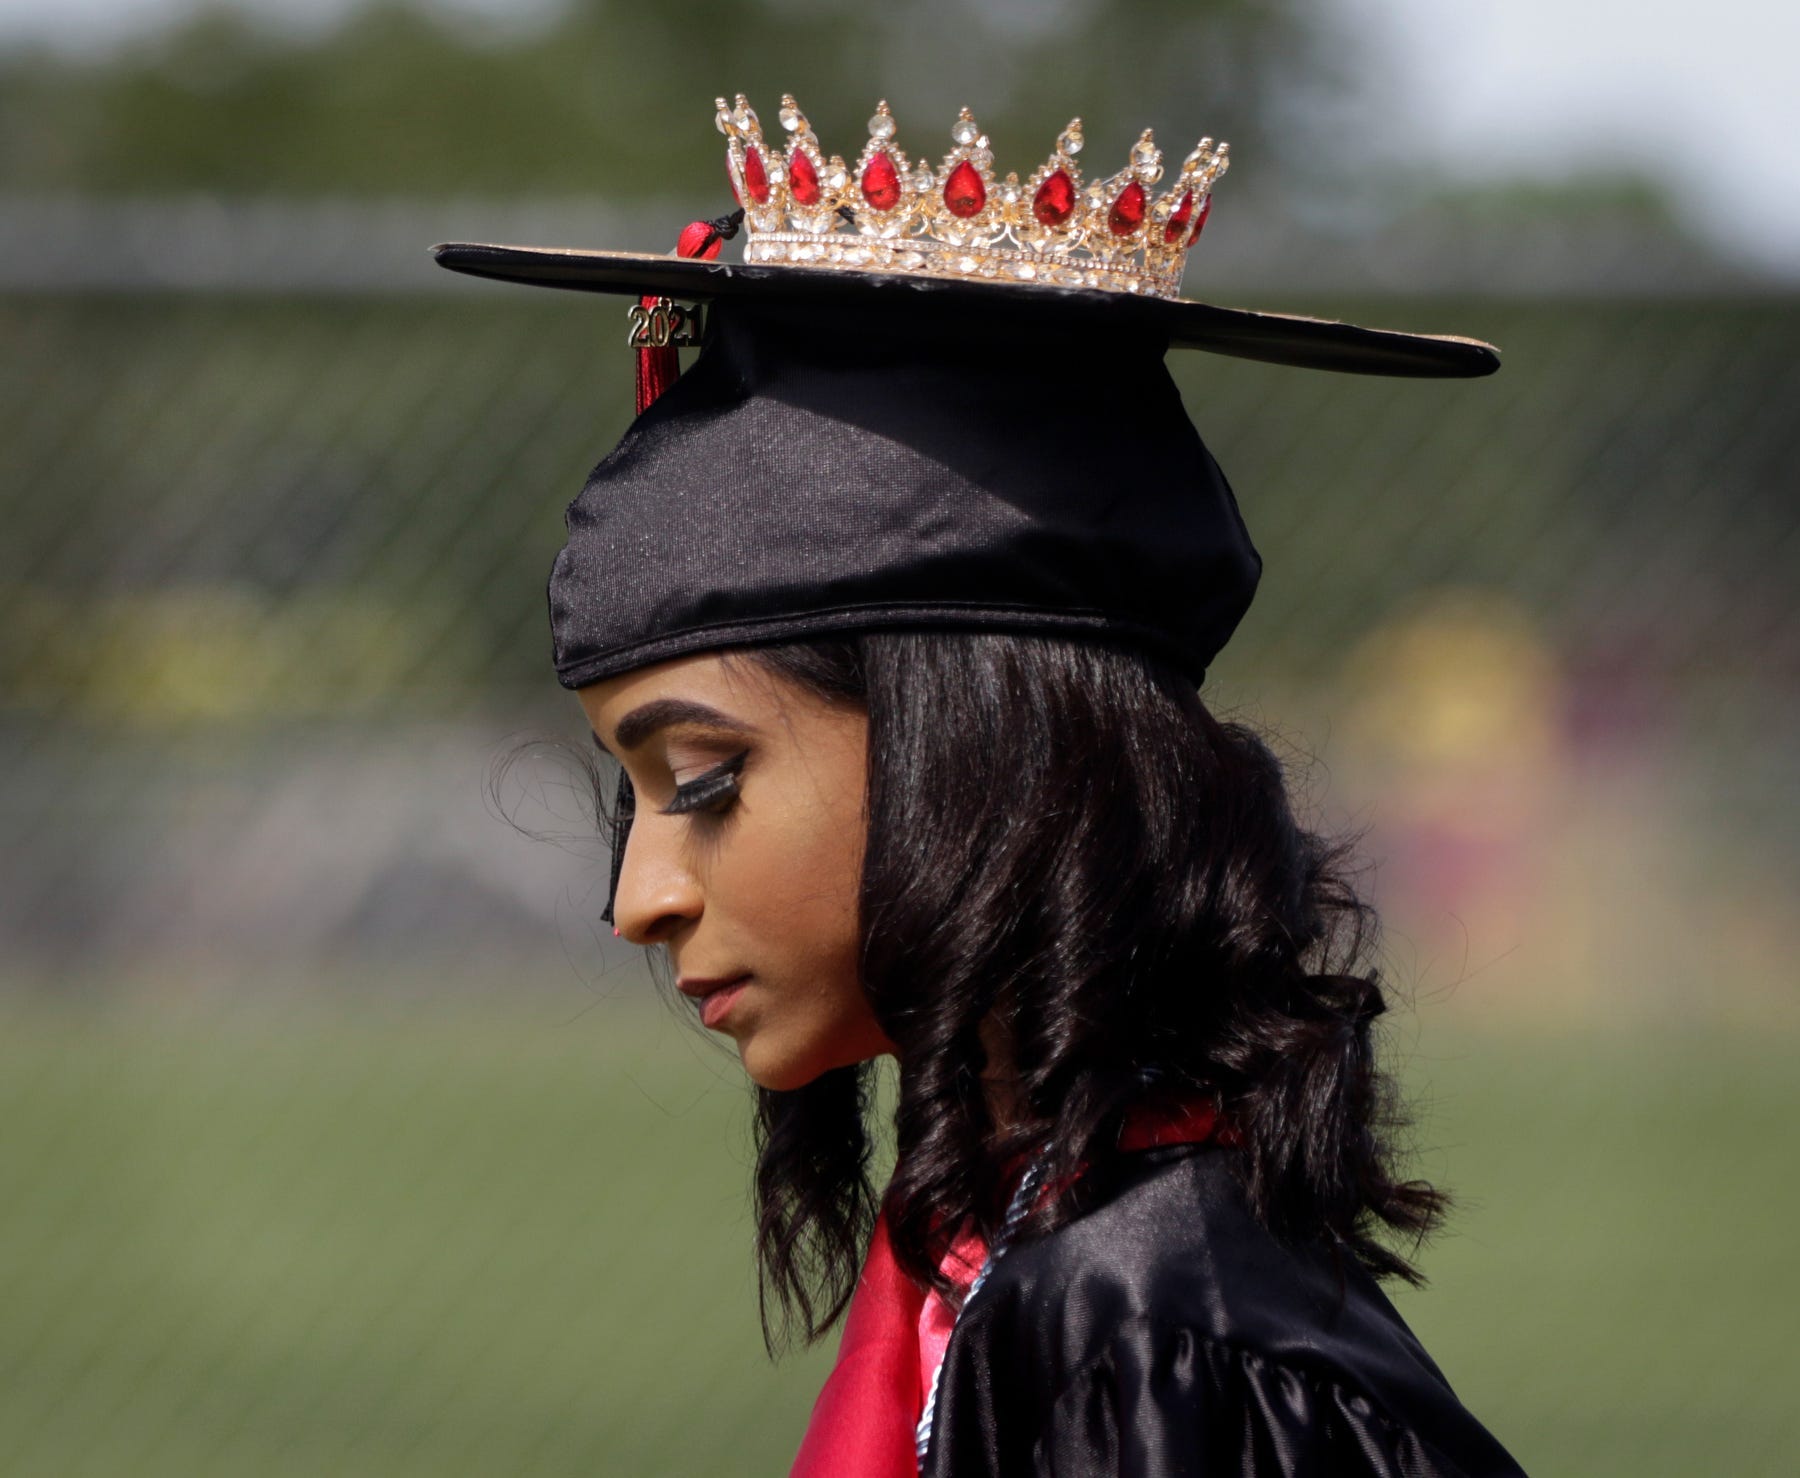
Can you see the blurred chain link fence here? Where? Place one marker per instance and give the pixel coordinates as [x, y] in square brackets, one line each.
[266, 554]
[271, 605]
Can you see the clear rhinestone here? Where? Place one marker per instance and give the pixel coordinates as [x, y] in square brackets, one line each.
[857, 255]
[834, 253]
[982, 158]
[881, 126]
[965, 131]
[791, 118]
[967, 264]
[744, 116]
[837, 176]
[1069, 141]
[722, 119]
[1024, 271]
[923, 179]
[911, 259]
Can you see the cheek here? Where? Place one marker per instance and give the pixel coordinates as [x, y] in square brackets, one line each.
[790, 876]
[799, 885]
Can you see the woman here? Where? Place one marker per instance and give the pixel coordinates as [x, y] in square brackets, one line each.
[893, 611]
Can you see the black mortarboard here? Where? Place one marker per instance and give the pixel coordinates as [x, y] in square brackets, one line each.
[901, 437]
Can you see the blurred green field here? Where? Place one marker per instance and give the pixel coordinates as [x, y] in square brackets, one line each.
[391, 1236]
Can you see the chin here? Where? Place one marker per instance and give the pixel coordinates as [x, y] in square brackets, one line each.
[780, 1074]
[783, 1071]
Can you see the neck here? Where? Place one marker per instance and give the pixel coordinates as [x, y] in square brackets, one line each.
[999, 1079]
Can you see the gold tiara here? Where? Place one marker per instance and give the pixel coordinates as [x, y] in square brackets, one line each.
[958, 220]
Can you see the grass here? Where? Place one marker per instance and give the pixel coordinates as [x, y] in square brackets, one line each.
[513, 1239]
[1615, 1290]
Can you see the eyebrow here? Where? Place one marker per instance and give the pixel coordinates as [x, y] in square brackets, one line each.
[663, 713]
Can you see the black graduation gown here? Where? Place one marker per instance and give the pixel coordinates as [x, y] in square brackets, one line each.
[1166, 1332]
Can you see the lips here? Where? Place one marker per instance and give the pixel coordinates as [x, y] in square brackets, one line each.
[714, 995]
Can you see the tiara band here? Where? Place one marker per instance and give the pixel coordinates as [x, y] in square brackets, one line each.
[887, 215]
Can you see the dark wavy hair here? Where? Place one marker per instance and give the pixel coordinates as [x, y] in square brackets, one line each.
[1070, 862]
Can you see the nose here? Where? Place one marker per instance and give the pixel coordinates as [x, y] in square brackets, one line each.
[657, 893]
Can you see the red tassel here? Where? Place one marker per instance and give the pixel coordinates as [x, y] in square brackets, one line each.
[657, 369]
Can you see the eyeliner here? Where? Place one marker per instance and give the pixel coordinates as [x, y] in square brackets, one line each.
[708, 789]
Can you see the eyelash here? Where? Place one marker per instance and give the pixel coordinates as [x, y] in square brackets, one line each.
[715, 792]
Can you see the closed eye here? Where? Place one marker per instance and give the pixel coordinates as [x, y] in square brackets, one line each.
[714, 792]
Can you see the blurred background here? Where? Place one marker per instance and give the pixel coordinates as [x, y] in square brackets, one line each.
[334, 1134]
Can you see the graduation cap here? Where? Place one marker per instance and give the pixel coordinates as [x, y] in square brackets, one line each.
[928, 397]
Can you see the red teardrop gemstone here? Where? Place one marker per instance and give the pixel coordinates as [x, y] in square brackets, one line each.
[1200, 220]
[803, 179]
[964, 194]
[1127, 211]
[880, 182]
[1177, 226]
[756, 178]
[1054, 202]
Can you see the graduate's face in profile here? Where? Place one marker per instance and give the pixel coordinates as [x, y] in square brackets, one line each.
[745, 854]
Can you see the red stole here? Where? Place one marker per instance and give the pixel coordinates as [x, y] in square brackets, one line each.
[894, 1336]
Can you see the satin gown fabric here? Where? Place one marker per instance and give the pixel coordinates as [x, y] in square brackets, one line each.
[862, 1423]
[896, 1334]
[1166, 1332]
